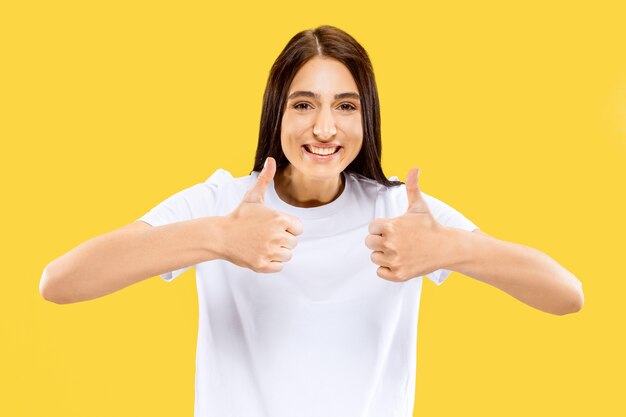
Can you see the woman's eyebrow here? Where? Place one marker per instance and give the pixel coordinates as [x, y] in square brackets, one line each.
[317, 96]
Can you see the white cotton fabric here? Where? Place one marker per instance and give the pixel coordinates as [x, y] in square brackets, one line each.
[325, 337]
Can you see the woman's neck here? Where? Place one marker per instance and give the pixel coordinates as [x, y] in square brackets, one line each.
[295, 189]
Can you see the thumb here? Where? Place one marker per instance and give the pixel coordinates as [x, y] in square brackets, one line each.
[417, 204]
[257, 192]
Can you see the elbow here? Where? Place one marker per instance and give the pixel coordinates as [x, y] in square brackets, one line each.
[45, 287]
[576, 300]
[49, 288]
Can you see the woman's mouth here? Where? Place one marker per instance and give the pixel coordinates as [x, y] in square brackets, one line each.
[321, 151]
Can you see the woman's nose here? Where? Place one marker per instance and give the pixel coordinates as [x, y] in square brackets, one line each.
[324, 127]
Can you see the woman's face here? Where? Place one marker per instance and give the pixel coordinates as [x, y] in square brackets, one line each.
[321, 130]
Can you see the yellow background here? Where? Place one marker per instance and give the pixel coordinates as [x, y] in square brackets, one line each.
[515, 112]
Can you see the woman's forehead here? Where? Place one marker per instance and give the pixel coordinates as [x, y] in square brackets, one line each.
[324, 77]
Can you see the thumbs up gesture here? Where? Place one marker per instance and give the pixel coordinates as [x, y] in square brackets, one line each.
[411, 245]
[257, 237]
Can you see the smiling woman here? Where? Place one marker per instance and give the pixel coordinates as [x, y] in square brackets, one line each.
[332, 330]
[321, 92]
[321, 133]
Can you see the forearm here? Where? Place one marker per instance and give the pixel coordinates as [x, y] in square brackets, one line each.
[521, 271]
[115, 260]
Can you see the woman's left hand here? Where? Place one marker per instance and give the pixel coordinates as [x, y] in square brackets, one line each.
[411, 245]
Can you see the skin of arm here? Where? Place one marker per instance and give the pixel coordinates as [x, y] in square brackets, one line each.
[132, 253]
[415, 244]
[251, 236]
[523, 272]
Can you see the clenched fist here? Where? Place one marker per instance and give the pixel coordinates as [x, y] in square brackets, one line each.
[257, 237]
[411, 245]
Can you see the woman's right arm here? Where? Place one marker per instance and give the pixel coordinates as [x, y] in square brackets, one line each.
[252, 236]
[132, 253]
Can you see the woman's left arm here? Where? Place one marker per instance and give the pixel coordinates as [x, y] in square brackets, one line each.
[415, 244]
[525, 273]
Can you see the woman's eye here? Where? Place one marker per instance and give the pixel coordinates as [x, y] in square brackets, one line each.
[301, 106]
[347, 106]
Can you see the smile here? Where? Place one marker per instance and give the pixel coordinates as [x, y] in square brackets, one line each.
[321, 151]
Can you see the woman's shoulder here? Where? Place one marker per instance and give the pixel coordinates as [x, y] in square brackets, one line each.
[222, 178]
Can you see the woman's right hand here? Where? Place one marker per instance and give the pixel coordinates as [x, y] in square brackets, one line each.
[257, 237]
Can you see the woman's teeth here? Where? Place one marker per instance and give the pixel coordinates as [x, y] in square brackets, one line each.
[320, 151]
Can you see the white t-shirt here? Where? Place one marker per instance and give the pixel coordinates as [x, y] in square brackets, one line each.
[325, 337]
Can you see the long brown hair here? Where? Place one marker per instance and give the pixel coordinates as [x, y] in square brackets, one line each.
[327, 41]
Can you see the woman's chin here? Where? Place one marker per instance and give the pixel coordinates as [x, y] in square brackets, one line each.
[318, 173]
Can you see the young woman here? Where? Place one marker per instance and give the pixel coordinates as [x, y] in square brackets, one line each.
[309, 270]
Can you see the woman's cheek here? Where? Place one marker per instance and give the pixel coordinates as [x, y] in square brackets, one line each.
[356, 127]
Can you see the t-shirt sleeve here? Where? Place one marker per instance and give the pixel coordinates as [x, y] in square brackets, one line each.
[194, 202]
[449, 217]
